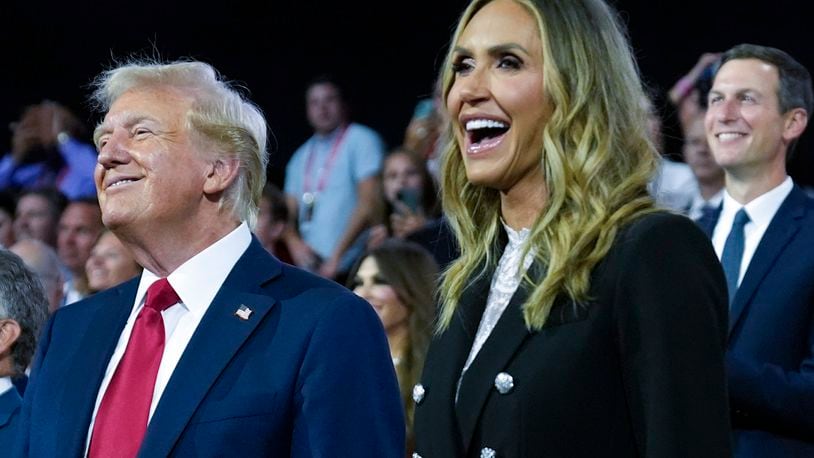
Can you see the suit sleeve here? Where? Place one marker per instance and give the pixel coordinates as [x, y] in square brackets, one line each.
[348, 401]
[771, 397]
[671, 317]
[21, 449]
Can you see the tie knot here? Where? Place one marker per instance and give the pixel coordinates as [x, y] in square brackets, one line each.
[160, 296]
[741, 218]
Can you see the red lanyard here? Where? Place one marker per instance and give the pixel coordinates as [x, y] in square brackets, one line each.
[326, 171]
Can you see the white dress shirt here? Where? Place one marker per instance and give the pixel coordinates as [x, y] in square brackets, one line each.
[196, 282]
[5, 385]
[760, 211]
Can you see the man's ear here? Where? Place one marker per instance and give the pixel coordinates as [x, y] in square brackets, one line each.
[796, 121]
[221, 175]
[9, 333]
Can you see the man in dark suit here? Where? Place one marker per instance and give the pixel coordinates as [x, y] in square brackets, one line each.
[23, 310]
[217, 349]
[764, 236]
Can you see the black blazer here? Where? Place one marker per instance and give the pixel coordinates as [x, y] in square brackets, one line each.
[636, 371]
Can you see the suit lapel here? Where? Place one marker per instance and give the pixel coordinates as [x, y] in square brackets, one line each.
[216, 340]
[10, 401]
[781, 230]
[81, 384]
[708, 221]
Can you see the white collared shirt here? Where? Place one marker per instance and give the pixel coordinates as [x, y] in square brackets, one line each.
[196, 282]
[760, 210]
[5, 385]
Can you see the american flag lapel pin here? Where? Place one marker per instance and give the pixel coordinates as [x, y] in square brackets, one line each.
[243, 312]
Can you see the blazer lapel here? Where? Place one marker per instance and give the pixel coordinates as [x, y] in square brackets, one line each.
[504, 341]
[81, 384]
[781, 230]
[442, 368]
[219, 336]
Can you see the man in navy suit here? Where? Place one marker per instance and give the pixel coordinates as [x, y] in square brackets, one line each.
[217, 349]
[764, 235]
[23, 311]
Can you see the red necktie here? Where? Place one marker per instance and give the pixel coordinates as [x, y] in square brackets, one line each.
[122, 417]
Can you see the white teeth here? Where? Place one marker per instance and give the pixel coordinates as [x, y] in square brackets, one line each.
[121, 182]
[485, 124]
[729, 136]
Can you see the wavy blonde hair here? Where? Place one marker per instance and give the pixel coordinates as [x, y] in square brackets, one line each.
[596, 157]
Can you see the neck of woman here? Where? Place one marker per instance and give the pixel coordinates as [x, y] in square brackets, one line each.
[397, 337]
[524, 202]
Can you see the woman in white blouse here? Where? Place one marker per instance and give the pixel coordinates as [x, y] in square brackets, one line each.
[579, 320]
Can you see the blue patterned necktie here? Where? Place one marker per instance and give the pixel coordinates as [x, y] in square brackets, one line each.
[733, 252]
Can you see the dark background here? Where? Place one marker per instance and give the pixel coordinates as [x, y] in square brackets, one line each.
[387, 53]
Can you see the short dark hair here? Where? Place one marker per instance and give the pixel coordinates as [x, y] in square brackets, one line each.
[794, 88]
[56, 200]
[23, 300]
[794, 81]
[327, 78]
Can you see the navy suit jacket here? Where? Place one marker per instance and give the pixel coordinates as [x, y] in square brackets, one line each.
[770, 351]
[10, 403]
[307, 374]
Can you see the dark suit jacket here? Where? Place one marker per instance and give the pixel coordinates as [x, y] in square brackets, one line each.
[770, 357]
[308, 374]
[10, 403]
[636, 371]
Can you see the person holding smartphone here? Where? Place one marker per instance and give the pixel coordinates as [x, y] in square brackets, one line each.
[409, 195]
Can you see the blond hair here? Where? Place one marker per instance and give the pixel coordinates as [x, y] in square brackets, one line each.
[596, 157]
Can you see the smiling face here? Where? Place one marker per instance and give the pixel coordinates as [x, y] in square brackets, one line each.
[150, 174]
[109, 263]
[371, 286]
[497, 102]
[745, 128]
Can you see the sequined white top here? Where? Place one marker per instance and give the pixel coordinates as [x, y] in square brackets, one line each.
[505, 281]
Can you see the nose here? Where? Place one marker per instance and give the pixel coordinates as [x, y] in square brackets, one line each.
[114, 151]
[727, 110]
[474, 87]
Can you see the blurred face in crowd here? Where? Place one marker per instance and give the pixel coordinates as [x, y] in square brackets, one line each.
[745, 128]
[110, 263]
[371, 286]
[35, 219]
[698, 155]
[6, 229]
[400, 172]
[150, 173]
[325, 108]
[496, 102]
[268, 230]
[79, 227]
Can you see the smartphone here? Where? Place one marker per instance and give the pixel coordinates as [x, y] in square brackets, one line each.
[410, 197]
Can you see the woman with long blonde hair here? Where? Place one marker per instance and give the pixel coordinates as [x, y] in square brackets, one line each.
[579, 320]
